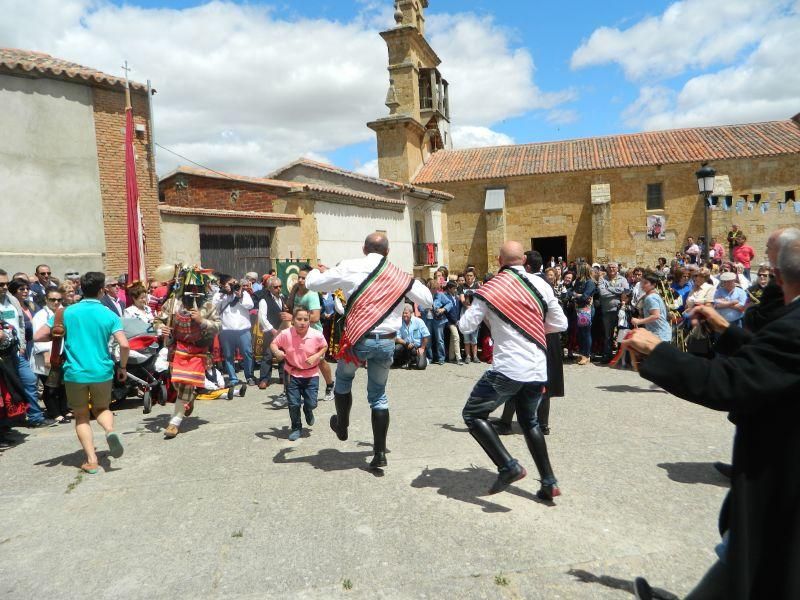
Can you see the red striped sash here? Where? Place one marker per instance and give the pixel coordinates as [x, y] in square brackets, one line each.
[514, 299]
[371, 303]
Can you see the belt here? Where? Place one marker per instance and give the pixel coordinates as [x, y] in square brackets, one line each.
[380, 336]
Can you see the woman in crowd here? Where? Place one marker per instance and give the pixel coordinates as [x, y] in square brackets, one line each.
[743, 281]
[568, 304]
[756, 290]
[68, 295]
[681, 286]
[138, 308]
[436, 320]
[702, 292]
[654, 311]
[55, 399]
[20, 289]
[583, 296]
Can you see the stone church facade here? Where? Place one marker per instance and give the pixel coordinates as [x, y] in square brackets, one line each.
[590, 198]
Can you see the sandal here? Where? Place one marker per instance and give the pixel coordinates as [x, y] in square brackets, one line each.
[90, 468]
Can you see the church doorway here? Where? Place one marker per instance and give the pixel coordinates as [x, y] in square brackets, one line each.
[554, 246]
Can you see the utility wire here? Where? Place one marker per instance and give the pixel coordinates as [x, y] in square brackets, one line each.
[195, 163]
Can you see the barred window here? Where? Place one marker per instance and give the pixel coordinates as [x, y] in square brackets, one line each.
[655, 198]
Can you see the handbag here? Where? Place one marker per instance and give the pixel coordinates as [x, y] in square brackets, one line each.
[55, 378]
[584, 316]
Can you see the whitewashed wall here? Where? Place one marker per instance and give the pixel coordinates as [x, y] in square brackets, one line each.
[342, 228]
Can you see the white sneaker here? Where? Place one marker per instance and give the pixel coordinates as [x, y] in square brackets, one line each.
[329, 393]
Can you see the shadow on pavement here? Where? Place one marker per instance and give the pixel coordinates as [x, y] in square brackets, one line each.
[281, 433]
[468, 485]
[453, 428]
[617, 584]
[329, 459]
[691, 472]
[158, 423]
[76, 459]
[623, 388]
[10, 438]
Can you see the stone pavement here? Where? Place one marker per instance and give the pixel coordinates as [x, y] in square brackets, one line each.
[232, 509]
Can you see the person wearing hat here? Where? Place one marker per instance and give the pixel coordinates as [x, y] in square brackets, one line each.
[111, 297]
[730, 300]
[189, 321]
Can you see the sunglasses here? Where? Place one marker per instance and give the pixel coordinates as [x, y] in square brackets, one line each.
[112, 285]
[43, 273]
[54, 299]
[3, 284]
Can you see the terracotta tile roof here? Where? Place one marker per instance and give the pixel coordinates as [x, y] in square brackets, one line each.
[230, 214]
[348, 193]
[629, 150]
[338, 171]
[186, 170]
[14, 59]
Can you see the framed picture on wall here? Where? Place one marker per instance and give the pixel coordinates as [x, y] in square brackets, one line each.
[656, 227]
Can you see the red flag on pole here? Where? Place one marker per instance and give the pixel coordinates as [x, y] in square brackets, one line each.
[136, 266]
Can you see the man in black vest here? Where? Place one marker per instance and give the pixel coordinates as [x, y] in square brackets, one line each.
[272, 316]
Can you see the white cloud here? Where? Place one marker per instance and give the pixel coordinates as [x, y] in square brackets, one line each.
[479, 63]
[690, 34]
[369, 168]
[472, 136]
[242, 90]
[562, 116]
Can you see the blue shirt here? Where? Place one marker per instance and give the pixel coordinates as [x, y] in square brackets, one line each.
[661, 326]
[440, 300]
[414, 332]
[454, 312]
[89, 326]
[731, 314]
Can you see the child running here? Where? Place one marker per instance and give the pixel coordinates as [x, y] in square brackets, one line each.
[302, 348]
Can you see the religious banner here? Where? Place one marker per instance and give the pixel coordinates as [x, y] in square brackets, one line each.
[656, 227]
[288, 270]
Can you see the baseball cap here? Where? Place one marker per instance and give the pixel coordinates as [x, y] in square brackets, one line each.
[728, 276]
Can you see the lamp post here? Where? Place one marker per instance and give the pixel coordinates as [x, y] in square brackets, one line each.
[705, 185]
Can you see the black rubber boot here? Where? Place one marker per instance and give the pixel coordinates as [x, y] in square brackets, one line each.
[538, 448]
[543, 414]
[509, 469]
[503, 424]
[380, 427]
[341, 420]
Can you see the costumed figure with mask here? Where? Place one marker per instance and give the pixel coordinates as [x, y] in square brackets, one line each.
[189, 323]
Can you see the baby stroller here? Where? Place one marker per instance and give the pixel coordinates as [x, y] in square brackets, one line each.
[143, 376]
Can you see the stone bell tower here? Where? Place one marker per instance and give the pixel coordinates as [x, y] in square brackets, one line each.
[419, 108]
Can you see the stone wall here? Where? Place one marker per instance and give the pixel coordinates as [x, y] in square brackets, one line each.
[109, 122]
[560, 204]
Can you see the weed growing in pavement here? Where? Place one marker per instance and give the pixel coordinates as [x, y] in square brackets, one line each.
[238, 533]
[74, 484]
[347, 584]
[501, 580]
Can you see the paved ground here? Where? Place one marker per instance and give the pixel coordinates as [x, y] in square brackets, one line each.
[231, 508]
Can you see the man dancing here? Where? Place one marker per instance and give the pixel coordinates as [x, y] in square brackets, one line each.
[191, 320]
[520, 310]
[375, 289]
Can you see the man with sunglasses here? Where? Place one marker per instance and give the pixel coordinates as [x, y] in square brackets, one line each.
[110, 298]
[41, 285]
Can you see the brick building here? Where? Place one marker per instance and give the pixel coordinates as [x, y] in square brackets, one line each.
[578, 198]
[62, 165]
[304, 210]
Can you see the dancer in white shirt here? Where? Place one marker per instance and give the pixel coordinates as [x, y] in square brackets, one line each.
[519, 309]
[375, 290]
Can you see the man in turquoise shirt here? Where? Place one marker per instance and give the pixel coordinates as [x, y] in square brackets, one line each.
[88, 367]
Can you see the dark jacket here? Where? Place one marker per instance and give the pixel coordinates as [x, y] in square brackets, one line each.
[758, 384]
[109, 304]
[274, 309]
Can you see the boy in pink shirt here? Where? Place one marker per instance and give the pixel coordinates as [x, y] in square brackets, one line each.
[302, 348]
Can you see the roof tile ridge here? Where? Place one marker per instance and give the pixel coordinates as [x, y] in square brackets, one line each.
[776, 149]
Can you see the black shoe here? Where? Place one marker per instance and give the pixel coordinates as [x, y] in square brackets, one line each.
[230, 393]
[725, 469]
[378, 461]
[548, 492]
[506, 477]
[310, 420]
[243, 390]
[642, 589]
[43, 423]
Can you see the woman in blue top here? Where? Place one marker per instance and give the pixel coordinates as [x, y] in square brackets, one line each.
[436, 321]
[654, 310]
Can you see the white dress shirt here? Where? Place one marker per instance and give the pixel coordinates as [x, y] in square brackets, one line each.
[514, 355]
[266, 326]
[234, 317]
[349, 274]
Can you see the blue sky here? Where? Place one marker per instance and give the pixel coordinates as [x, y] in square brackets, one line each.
[246, 87]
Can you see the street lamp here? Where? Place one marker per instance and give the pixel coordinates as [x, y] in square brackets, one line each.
[705, 185]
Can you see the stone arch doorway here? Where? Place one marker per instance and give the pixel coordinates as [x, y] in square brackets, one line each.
[550, 246]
